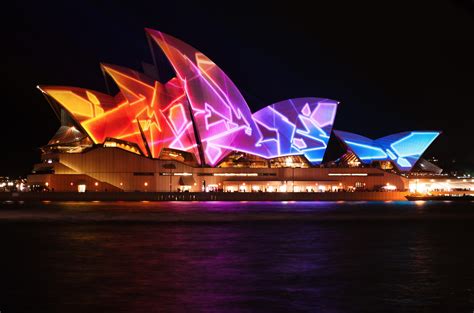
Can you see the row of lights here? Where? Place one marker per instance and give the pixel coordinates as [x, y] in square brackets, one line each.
[448, 180]
[97, 184]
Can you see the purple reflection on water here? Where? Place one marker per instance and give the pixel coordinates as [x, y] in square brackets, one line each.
[236, 257]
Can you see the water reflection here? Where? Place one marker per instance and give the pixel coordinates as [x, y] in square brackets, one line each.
[258, 264]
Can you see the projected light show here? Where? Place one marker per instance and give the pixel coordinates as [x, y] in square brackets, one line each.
[143, 106]
[156, 115]
[297, 126]
[403, 148]
[202, 112]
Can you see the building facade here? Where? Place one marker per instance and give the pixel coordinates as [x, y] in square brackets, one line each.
[114, 169]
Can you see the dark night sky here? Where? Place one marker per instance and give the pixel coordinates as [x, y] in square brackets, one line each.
[394, 66]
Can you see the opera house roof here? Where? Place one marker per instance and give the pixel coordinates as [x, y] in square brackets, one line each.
[201, 111]
[404, 149]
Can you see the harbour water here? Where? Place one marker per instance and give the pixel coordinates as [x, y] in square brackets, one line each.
[237, 257]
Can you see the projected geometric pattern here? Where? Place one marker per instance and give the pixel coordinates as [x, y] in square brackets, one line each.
[201, 111]
[297, 126]
[143, 108]
[404, 149]
[223, 118]
[200, 105]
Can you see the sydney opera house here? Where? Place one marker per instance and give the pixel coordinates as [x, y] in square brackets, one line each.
[195, 132]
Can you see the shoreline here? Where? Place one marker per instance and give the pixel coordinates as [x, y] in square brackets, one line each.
[206, 196]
